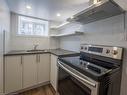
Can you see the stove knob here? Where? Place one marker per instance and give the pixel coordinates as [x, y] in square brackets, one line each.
[107, 51]
[85, 64]
[85, 48]
[81, 63]
[114, 52]
[81, 47]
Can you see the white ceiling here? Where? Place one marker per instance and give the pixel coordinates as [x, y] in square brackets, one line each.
[47, 9]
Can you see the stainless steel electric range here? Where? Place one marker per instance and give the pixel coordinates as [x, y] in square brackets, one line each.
[95, 71]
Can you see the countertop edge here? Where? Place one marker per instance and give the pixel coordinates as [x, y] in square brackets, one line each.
[51, 52]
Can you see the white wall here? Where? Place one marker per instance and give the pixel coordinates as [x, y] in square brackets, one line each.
[5, 25]
[5, 22]
[25, 42]
[105, 32]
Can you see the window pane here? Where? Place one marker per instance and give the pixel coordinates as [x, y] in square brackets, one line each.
[30, 26]
[39, 29]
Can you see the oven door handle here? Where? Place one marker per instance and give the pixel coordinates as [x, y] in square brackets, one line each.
[77, 77]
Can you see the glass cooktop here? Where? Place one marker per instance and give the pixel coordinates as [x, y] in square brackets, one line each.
[84, 65]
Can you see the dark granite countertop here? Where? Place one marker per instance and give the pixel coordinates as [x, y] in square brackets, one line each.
[57, 52]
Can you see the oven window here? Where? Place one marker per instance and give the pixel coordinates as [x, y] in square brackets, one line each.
[68, 85]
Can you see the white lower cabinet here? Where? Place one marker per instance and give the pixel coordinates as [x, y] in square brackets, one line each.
[13, 73]
[43, 68]
[53, 72]
[26, 71]
[29, 70]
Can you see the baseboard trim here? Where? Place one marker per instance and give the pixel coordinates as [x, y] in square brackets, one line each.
[53, 90]
[25, 89]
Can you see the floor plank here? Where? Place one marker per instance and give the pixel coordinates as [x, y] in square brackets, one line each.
[45, 90]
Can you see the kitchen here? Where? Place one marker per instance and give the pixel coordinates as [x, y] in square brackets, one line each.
[22, 53]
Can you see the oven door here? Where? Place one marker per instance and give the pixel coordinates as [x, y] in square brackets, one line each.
[71, 82]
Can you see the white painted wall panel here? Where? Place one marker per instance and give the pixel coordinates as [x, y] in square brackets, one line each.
[4, 25]
[5, 22]
[1, 60]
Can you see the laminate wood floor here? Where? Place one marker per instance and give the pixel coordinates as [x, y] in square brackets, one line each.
[45, 90]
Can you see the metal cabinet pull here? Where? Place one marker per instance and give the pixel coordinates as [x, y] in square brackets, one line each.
[77, 77]
[21, 60]
[37, 58]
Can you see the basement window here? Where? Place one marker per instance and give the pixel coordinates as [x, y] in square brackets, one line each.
[32, 27]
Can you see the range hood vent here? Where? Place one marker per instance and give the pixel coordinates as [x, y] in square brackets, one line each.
[100, 10]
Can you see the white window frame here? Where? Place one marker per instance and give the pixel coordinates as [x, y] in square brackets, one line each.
[33, 20]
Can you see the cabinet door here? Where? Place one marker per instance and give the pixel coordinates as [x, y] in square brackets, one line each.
[53, 72]
[29, 71]
[13, 73]
[43, 68]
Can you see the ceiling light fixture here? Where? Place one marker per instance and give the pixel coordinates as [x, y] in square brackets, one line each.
[58, 14]
[72, 17]
[28, 7]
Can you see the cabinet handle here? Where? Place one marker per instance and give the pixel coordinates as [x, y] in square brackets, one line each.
[21, 60]
[37, 58]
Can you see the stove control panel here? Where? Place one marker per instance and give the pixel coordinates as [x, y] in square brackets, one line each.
[107, 51]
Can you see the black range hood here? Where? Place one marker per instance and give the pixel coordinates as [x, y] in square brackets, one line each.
[100, 10]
